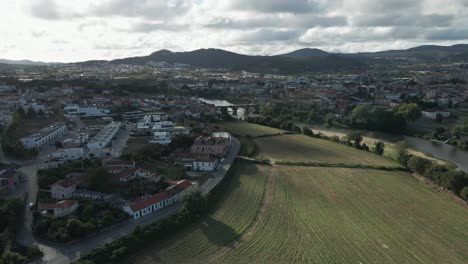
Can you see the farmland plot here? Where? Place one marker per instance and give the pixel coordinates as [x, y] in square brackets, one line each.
[323, 215]
[306, 149]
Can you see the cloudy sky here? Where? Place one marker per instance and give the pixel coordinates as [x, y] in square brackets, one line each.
[66, 30]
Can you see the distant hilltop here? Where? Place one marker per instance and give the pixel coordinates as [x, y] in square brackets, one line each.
[298, 61]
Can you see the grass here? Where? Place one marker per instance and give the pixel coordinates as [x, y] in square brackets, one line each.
[248, 147]
[233, 216]
[303, 214]
[135, 144]
[322, 215]
[301, 148]
[240, 128]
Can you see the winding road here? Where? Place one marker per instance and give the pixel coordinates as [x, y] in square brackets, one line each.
[55, 253]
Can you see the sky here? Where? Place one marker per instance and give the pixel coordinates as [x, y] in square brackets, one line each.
[68, 31]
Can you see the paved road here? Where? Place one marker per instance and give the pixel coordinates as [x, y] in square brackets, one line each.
[119, 143]
[64, 254]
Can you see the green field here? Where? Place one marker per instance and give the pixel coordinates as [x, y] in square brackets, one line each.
[246, 129]
[306, 149]
[322, 215]
[235, 214]
[291, 214]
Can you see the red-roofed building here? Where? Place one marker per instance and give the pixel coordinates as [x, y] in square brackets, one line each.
[148, 205]
[126, 175]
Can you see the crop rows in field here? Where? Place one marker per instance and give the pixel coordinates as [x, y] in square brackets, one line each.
[320, 215]
[233, 216]
[299, 148]
[323, 215]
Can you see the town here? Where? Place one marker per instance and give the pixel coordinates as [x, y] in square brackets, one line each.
[113, 146]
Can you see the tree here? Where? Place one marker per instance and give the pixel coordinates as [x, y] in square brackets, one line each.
[31, 112]
[11, 257]
[409, 112]
[379, 148]
[419, 164]
[439, 118]
[355, 138]
[99, 179]
[75, 227]
[195, 203]
[181, 142]
[402, 155]
[362, 114]
[464, 193]
[457, 131]
[307, 131]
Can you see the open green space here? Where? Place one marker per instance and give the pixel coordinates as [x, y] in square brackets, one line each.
[302, 214]
[322, 215]
[240, 128]
[300, 148]
[234, 215]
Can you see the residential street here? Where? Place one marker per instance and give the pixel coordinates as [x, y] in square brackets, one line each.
[63, 254]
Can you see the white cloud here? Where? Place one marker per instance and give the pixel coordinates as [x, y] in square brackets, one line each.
[64, 30]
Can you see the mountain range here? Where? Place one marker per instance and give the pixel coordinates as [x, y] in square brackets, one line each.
[299, 61]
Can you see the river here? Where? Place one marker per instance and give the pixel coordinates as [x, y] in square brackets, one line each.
[439, 150]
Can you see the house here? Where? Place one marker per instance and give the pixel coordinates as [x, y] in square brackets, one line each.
[59, 209]
[162, 138]
[217, 144]
[126, 175]
[147, 205]
[9, 178]
[60, 156]
[432, 114]
[196, 161]
[209, 163]
[148, 175]
[63, 189]
[154, 203]
[91, 195]
[114, 166]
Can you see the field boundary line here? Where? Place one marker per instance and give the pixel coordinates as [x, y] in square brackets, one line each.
[262, 210]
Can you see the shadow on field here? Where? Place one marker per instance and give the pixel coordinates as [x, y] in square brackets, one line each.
[217, 232]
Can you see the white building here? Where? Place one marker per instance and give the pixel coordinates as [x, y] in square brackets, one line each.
[205, 164]
[4, 88]
[432, 114]
[103, 139]
[67, 154]
[62, 189]
[60, 209]
[87, 111]
[46, 136]
[163, 126]
[162, 138]
[154, 203]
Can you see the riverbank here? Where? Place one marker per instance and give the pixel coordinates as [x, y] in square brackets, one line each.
[435, 151]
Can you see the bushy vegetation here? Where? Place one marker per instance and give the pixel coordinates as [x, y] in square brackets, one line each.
[89, 217]
[11, 144]
[49, 176]
[378, 118]
[248, 147]
[195, 208]
[10, 223]
[442, 175]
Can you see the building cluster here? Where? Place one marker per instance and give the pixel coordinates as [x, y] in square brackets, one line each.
[205, 153]
[154, 203]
